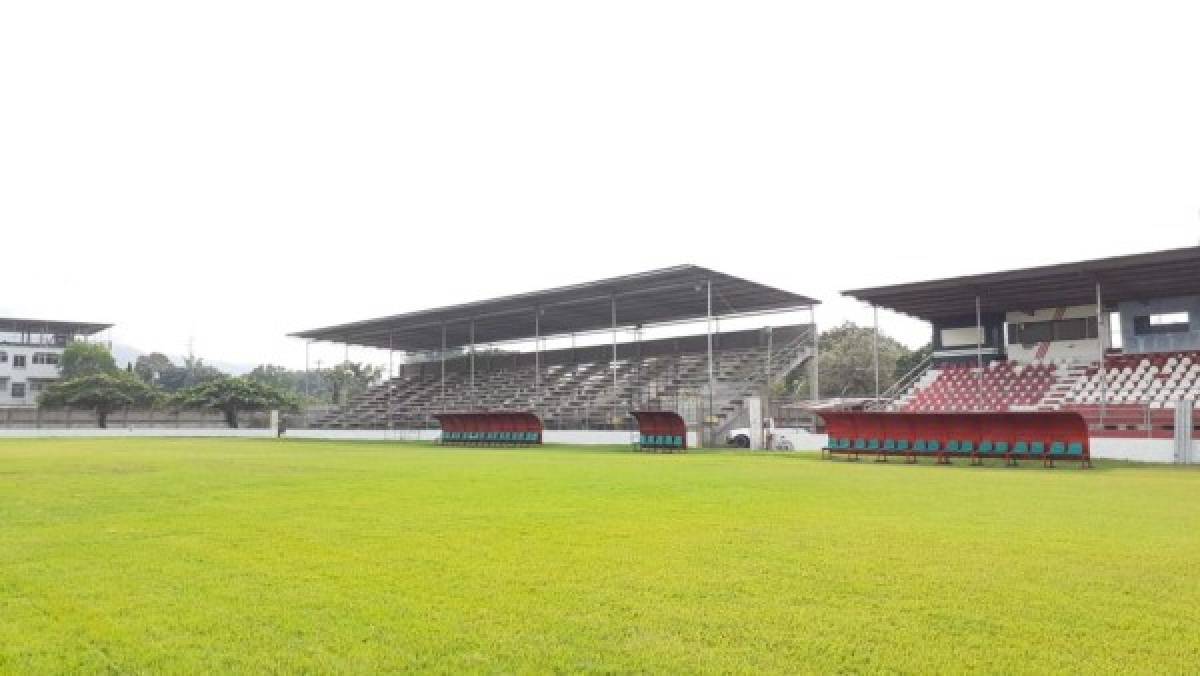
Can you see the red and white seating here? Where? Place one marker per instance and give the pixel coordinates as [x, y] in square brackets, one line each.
[1156, 381]
[1001, 386]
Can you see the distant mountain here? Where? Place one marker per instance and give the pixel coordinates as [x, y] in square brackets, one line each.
[127, 354]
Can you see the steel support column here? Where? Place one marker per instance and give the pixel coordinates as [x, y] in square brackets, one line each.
[443, 355]
[387, 382]
[708, 327]
[767, 396]
[537, 353]
[613, 301]
[816, 368]
[875, 350]
[978, 354]
[1100, 341]
[472, 358]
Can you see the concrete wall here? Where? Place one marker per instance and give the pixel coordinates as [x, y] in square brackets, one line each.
[34, 418]
[31, 433]
[1141, 450]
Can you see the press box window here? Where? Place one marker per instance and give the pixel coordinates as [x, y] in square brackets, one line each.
[962, 337]
[1032, 333]
[1167, 322]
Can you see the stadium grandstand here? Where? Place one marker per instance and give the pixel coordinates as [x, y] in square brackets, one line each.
[462, 358]
[1116, 339]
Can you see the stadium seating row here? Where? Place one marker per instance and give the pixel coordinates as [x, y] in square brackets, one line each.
[662, 441]
[572, 395]
[957, 447]
[489, 438]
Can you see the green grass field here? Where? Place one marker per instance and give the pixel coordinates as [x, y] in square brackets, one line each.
[234, 555]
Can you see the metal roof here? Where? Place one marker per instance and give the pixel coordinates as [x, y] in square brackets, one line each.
[1159, 274]
[14, 325]
[655, 297]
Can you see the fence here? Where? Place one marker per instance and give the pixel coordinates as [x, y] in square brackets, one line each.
[1133, 421]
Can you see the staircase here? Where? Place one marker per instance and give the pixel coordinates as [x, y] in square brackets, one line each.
[787, 359]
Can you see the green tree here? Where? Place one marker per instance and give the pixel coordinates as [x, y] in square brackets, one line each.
[349, 379]
[846, 363]
[86, 359]
[151, 367]
[100, 392]
[231, 396]
[172, 377]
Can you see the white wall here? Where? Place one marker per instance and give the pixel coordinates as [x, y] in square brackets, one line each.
[135, 432]
[802, 440]
[10, 375]
[1140, 450]
[579, 437]
[365, 435]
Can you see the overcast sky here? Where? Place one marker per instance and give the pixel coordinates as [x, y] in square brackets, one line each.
[234, 171]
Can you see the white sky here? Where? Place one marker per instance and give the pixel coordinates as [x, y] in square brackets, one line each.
[233, 171]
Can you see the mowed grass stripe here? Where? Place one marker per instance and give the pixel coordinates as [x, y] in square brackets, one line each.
[236, 555]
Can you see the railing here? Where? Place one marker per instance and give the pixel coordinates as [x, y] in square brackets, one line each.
[907, 380]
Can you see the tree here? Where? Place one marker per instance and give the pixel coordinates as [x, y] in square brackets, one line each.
[846, 368]
[151, 367]
[101, 392]
[86, 359]
[172, 378]
[231, 396]
[349, 379]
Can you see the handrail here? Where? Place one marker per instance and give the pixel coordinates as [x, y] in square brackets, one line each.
[806, 352]
[903, 382]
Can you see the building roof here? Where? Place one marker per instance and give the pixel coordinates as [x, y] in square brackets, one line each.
[655, 297]
[1159, 274]
[14, 325]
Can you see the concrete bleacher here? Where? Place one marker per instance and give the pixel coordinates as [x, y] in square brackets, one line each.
[574, 388]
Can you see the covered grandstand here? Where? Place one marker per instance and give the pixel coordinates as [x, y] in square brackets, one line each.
[706, 377]
[1116, 339]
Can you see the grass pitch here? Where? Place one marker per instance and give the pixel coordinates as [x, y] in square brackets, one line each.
[235, 555]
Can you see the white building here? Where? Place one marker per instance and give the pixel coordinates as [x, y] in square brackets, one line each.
[30, 351]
